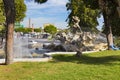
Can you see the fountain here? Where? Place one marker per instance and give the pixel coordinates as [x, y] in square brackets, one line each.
[21, 48]
[25, 48]
[78, 40]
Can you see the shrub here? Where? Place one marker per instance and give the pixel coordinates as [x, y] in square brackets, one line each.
[50, 29]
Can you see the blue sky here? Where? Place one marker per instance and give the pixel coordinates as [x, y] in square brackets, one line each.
[53, 11]
[100, 21]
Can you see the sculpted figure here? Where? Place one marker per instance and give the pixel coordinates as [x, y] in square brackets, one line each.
[76, 22]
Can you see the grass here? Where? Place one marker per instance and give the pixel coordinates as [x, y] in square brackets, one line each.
[95, 66]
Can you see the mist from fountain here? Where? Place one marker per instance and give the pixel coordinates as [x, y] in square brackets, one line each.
[20, 46]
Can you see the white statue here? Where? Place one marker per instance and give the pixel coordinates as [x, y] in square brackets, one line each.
[76, 22]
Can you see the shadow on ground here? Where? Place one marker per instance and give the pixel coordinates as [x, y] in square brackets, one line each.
[86, 59]
[2, 64]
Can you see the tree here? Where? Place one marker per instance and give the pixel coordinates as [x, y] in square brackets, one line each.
[9, 7]
[115, 19]
[2, 33]
[108, 8]
[87, 15]
[24, 30]
[20, 29]
[37, 30]
[2, 18]
[50, 29]
[27, 30]
[20, 9]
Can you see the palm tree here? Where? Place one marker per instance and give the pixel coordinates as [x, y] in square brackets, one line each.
[9, 7]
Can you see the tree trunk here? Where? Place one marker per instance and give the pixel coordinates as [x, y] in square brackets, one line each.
[118, 8]
[109, 37]
[10, 18]
[104, 7]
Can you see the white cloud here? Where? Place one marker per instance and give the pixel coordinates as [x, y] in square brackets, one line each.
[58, 2]
[53, 11]
[39, 22]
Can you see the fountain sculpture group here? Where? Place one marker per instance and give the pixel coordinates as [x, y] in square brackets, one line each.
[79, 41]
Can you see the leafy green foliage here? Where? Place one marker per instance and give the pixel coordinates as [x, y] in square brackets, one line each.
[50, 29]
[93, 4]
[2, 18]
[117, 41]
[2, 31]
[37, 30]
[24, 30]
[27, 30]
[20, 10]
[87, 15]
[20, 14]
[89, 10]
[40, 1]
[20, 29]
[1, 27]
